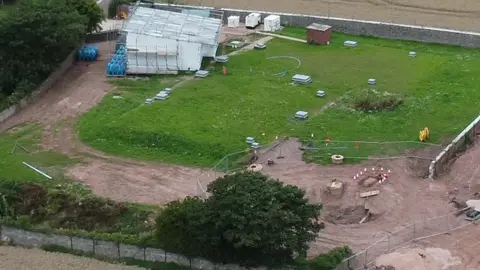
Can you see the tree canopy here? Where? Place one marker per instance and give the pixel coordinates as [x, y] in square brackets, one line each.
[35, 37]
[249, 219]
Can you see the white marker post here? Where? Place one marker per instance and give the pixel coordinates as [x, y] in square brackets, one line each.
[37, 170]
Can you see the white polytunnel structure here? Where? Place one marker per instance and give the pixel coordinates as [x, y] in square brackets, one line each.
[166, 42]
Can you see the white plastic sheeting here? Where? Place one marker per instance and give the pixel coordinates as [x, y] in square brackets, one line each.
[160, 41]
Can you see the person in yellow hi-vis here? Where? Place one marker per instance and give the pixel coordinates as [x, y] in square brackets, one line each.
[424, 134]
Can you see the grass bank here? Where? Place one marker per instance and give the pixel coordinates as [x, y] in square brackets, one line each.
[205, 119]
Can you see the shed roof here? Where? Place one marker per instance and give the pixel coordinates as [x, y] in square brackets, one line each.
[173, 25]
[320, 27]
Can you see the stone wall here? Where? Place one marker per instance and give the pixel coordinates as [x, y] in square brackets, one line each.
[359, 27]
[108, 249]
[102, 36]
[467, 137]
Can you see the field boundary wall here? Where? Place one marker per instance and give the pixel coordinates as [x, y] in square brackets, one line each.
[467, 137]
[355, 27]
[47, 84]
[108, 249]
[407, 234]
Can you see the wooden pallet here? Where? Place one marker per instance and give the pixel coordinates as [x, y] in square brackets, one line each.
[369, 193]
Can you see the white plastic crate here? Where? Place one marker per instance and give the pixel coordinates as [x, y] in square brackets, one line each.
[350, 43]
[233, 21]
[301, 115]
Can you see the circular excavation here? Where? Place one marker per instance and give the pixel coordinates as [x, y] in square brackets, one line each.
[360, 202]
[255, 168]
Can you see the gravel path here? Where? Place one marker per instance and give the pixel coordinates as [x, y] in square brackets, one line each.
[16, 258]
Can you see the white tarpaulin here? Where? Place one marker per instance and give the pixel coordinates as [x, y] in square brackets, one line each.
[474, 204]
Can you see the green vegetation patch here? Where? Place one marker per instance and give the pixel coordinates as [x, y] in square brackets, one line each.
[31, 201]
[22, 144]
[205, 119]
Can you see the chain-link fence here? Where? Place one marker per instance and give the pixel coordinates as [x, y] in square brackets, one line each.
[412, 232]
[418, 155]
[229, 164]
[352, 150]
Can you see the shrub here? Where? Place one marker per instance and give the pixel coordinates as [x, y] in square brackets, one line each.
[371, 100]
[249, 219]
[331, 259]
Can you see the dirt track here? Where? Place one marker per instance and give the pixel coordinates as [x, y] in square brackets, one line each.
[459, 14]
[124, 180]
[404, 198]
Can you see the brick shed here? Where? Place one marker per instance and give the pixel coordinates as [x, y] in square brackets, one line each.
[319, 34]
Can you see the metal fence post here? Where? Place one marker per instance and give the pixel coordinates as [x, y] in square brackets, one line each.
[366, 258]
[448, 227]
[388, 243]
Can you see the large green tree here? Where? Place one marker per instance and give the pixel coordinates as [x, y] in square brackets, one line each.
[34, 38]
[93, 12]
[248, 219]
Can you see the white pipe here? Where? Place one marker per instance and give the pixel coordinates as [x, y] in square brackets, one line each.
[37, 170]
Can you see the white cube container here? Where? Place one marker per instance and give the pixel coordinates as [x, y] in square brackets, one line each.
[372, 81]
[252, 20]
[233, 21]
[161, 96]
[320, 93]
[255, 145]
[271, 23]
[250, 140]
[301, 115]
[412, 54]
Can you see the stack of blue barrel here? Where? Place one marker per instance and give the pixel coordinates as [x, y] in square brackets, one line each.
[118, 65]
[88, 53]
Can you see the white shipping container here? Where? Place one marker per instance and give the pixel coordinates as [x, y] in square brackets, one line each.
[252, 20]
[271, 23]
[233, 21]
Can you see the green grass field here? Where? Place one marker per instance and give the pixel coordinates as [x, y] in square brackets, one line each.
[11, 164]
[205, 119]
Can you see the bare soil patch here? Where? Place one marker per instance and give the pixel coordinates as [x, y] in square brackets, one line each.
[403, 197]
[420, 259]
[461, 14]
